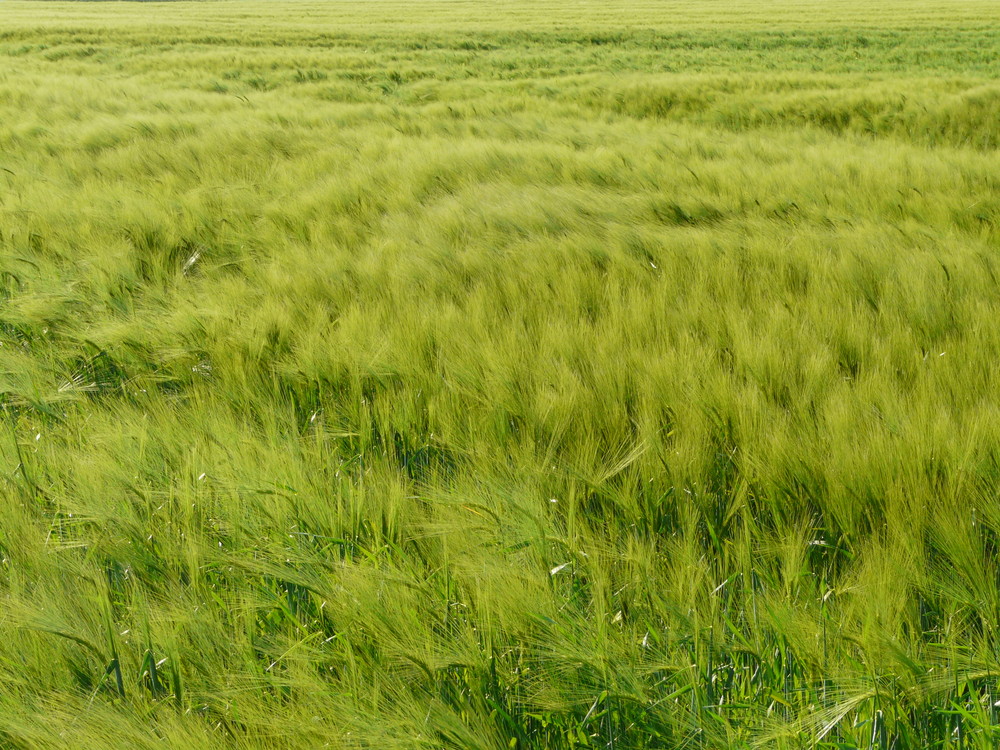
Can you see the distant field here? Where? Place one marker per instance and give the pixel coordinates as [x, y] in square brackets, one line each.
[500, 375]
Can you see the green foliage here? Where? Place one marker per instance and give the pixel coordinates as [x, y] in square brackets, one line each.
[452, 375]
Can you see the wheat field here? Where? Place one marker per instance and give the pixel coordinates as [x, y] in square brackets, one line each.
[498, 375]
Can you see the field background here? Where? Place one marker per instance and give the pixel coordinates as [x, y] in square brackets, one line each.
[499, 375]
